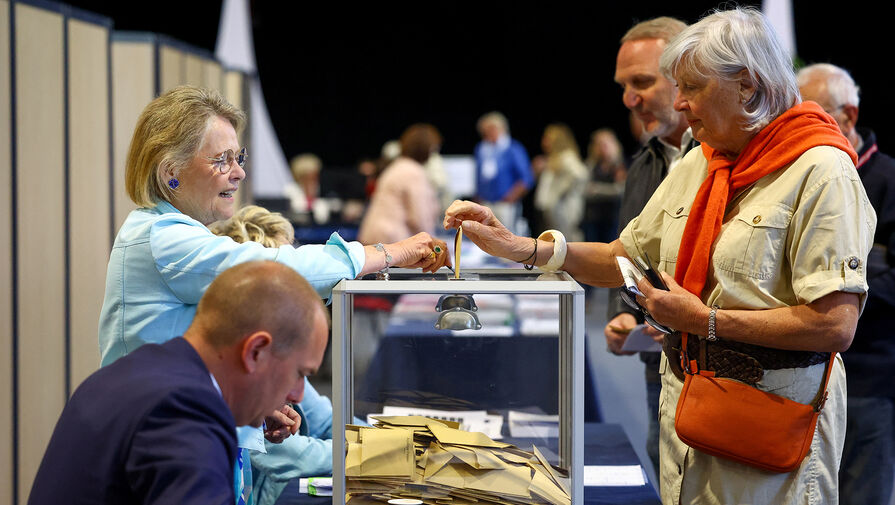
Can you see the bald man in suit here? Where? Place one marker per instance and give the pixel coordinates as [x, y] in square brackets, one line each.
[158, 425]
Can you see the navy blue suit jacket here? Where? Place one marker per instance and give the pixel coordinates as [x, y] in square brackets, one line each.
[149, 428]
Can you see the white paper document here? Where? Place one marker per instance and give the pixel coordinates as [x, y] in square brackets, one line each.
[470, 420]
[612, 475]
[317, 486]
[638, 341]
[630, 273]
[525, 425]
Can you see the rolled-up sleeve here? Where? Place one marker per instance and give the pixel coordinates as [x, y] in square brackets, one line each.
[831, 235]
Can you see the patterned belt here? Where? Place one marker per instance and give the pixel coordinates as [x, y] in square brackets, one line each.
[737, 360]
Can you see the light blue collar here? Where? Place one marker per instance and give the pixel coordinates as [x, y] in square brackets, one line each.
[165, 207]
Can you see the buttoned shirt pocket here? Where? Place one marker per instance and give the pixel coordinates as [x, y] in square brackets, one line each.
[674, 220]
[752, 242]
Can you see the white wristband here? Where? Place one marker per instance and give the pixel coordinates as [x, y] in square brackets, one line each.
[559, 250]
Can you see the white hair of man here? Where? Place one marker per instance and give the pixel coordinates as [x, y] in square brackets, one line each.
[724, 44]
[840, 85]
[496, 118]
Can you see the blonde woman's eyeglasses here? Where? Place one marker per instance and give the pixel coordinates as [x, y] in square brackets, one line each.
[224, 161]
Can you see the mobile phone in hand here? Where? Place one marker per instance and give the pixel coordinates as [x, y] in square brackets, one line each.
[651, 274]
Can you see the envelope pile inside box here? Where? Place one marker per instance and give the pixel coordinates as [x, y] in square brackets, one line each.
[433, 461]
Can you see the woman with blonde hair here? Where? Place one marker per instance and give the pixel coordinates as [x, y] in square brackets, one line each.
[606, 165]
[560, 190]
[182, 169]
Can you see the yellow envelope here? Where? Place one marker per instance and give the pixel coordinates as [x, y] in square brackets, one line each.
[414, 421]
[448, 475]
[447, 435]
[512, 481]
[543, 486]
[436, 457]
[387, 453]
[561, 482]
[352, 461]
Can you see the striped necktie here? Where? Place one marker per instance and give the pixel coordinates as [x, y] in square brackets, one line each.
[243, 478]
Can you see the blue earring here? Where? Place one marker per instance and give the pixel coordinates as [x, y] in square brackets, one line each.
[173, 183]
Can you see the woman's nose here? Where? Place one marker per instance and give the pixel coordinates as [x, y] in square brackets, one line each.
[237, 172]
[679, 103]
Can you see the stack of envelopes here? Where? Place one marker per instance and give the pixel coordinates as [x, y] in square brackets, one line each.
[433, 461]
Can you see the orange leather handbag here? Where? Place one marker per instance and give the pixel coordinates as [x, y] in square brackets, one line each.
[732, 420]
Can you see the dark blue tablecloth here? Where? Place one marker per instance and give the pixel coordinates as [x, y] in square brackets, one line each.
[604, 444]
[489, 373]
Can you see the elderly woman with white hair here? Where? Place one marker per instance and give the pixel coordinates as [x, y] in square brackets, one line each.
[761, 236]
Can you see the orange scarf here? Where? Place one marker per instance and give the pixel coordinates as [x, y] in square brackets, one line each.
[777, 145]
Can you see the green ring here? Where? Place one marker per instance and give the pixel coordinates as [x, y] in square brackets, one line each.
[437, 250]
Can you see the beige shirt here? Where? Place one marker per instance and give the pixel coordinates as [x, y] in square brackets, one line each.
[403, 204]
[792, 237]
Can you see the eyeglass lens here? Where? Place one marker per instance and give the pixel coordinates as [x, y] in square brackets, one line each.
[226, 158]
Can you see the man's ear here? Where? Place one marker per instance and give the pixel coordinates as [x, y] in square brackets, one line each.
[256, 350]
[851, 113]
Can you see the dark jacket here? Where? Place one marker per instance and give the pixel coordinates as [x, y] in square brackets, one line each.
[150, 428]
[870, 361]
[648, 169]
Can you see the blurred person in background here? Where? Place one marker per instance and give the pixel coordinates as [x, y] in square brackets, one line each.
[305, 189]
[606, 166]
[439, 180]
[560, 191]
[404, 202]
[868, 457]
[304, 193]
[503, 169]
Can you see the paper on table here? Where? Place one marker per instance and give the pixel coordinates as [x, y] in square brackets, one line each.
[638, 341]
[317, 486]
[611, 475]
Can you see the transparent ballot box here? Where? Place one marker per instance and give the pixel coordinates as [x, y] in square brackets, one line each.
[498, 352]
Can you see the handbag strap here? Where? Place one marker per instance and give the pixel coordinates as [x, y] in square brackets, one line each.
[692, 367]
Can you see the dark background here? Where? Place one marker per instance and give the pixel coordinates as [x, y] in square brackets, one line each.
[340, 79]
